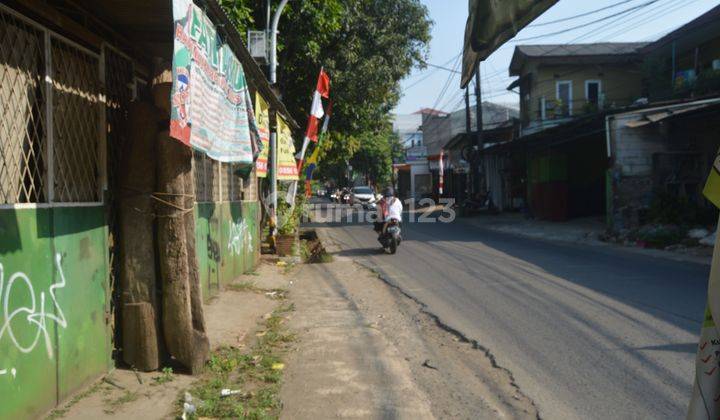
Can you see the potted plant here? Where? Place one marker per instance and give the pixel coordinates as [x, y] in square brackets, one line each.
[288, 223]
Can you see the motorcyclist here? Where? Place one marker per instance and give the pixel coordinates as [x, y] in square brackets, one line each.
[389, 208]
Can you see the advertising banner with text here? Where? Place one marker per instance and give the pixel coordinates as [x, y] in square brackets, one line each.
[287, 167]
[210, 97]
[262, 116]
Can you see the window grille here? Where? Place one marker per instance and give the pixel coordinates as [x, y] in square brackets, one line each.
[202, 190]
[238, 184]
[250, 190]
[23, 131]
[227, 181]
[119, 90]
[76, 112]
[50, 99]
[214, 179]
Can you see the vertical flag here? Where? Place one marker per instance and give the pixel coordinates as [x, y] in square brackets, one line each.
[441, 168]
[262, 114]
[312, 161]
[322, 90]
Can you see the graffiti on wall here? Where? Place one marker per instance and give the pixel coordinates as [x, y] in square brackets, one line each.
[239, 236]
[34, 313]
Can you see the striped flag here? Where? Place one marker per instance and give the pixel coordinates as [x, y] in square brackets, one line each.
[441, 169]
[322, 90]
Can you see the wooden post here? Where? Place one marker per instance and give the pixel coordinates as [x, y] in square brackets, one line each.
[183, 330]
[136, 180]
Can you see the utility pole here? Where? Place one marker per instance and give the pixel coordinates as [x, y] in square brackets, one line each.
[273, 134]
[479, 137]
[468, 121]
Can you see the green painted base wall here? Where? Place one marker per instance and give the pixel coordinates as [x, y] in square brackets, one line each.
[227, 242]
[54, 331]
[55, 334]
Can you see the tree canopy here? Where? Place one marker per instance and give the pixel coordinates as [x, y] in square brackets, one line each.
[366, 46]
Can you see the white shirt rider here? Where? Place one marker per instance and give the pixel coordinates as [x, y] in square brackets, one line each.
[395, 209]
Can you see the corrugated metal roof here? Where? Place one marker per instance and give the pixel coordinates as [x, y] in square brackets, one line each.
[601, 52]
[569, 50]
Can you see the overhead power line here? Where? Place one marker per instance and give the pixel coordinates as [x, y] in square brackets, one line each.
[584, 25]
[535, 25]
[441, 67]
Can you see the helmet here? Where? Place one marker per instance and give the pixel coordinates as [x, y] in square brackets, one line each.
[388, 192]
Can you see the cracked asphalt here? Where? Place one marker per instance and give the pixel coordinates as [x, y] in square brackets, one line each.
[587, 332]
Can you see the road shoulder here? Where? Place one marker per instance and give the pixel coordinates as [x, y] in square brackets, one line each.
[367, 350]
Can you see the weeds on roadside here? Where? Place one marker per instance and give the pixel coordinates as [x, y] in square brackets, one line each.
[165, 377]
[256, 374]
[61, 412]
[115, 403]
[312, 252]
[250, 287]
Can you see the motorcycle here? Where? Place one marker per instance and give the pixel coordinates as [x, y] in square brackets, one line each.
[391, 238]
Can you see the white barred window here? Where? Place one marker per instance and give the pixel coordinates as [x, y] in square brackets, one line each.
[51, 105]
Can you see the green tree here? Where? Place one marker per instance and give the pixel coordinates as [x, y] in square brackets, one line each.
[366, 46]
[374, 158]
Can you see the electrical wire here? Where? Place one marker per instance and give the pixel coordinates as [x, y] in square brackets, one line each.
[602, 9]
[585, 25]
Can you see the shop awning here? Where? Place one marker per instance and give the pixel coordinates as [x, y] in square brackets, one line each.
[657, 115]
[491, 23]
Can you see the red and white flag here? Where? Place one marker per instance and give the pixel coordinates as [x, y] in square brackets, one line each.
[441, 170]
[322, 90]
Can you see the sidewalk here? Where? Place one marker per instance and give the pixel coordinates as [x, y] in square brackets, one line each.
[232, 319]
[587, 231]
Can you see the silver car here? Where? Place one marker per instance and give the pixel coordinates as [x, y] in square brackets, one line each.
[363, 195]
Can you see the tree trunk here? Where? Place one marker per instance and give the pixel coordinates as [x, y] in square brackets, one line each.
[136, 181]
[183, 321]
[193, 271]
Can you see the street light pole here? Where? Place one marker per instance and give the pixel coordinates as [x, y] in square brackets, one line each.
[273, 134]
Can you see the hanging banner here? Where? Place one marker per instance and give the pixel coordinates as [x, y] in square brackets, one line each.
[209, 95]
[287, 167]
[262, 114]
[705, 400]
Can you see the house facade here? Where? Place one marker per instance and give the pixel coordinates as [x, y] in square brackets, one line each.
[412, 175]
[624, 131]
[661, 152]
[557, 83]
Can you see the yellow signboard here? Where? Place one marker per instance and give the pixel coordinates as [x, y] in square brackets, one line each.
[262, 118]
[287, 167]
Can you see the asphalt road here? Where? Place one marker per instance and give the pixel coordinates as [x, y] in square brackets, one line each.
[587, 332]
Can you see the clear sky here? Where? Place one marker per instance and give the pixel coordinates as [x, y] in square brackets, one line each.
[642, 20]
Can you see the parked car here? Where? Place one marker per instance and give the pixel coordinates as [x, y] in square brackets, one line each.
[363, 195]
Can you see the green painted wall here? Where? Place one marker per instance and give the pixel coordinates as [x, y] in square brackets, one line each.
[54, 294]
[54, 334]
[227, 242]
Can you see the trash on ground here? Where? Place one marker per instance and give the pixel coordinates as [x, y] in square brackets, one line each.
[113, 383]
[225, 392]
[188, 407]
[278, 366]
[428, 365]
